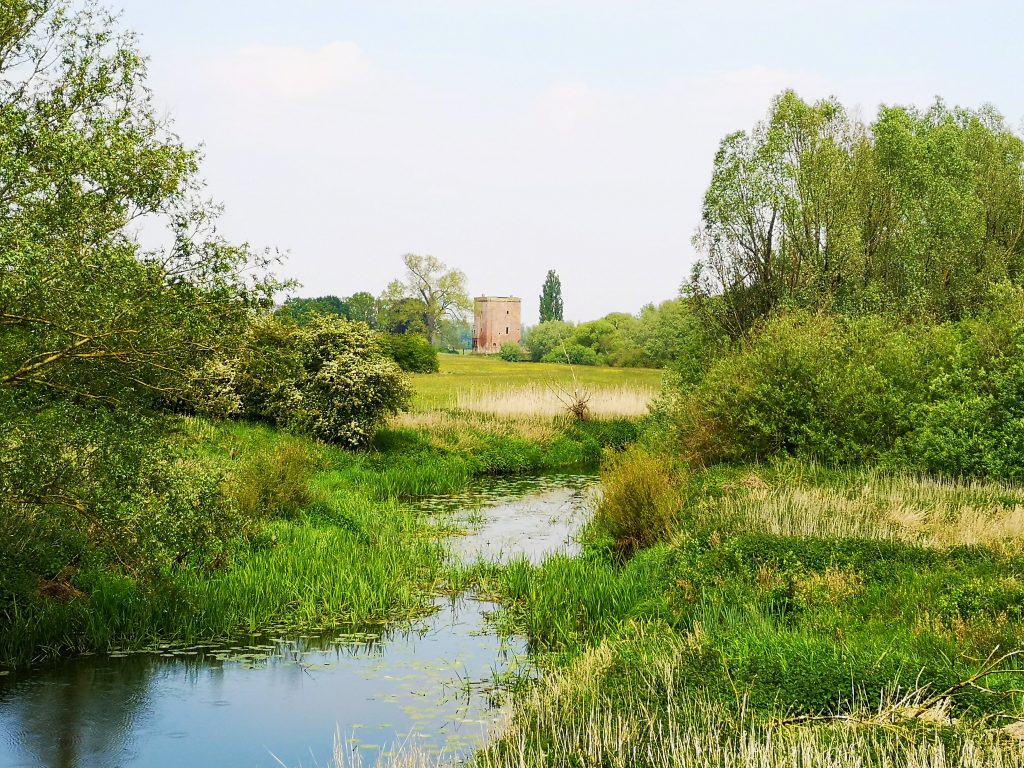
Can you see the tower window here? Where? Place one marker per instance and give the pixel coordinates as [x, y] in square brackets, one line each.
[506, 330]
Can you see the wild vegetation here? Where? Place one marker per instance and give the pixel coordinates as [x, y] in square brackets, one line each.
[178, 459]
[812, 557]
[810, 547]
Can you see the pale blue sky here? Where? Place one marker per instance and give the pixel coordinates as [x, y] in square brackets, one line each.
[507, 137]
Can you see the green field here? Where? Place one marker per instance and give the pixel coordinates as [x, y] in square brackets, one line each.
[477, 373]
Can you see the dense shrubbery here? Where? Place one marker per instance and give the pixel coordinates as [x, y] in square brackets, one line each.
[511, 352]
[86, 487]
[412, 352]
[941, 398]
[327, 378]
[671, 334]
[574, 354]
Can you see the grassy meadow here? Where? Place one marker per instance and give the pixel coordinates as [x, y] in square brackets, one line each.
[505, 418]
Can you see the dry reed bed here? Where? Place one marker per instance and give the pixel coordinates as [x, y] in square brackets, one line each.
[552, 400]
[450, 424]
[876, 505]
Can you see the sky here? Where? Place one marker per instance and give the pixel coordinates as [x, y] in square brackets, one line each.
[510, 137]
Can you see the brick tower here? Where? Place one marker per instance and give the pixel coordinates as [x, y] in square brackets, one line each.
[496, 320]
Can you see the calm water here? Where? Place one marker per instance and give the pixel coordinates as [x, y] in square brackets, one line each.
[269, 699]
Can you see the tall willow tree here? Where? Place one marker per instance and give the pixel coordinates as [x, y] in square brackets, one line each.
[914, 214]
[84, 311]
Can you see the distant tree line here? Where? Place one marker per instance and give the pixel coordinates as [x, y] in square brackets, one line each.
[660, 335]
[422, 312]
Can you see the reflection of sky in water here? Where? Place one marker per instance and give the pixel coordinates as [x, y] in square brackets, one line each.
[287, 697]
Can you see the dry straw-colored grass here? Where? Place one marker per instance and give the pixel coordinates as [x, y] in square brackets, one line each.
[446, 426]
[877, 505]
[551, 400]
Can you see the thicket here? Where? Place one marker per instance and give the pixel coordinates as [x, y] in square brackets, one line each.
[511, 352]
[412, 352]
[671, 334]
[880, 323]
[944, 399]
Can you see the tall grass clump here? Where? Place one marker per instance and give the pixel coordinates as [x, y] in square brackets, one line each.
[273, 480]
[641, 498]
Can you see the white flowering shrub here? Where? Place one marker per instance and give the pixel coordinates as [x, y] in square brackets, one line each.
[328, 378]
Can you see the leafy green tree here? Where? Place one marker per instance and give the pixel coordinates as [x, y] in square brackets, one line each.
[541, 339]
[362, 308]
[433, 289]
[300, 310]
[413, 353]
[96, 333]
[551, 298]
[84, 312]
[398, 315]
[915, 214]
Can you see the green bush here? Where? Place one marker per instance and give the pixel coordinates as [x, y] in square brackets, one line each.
[412, 352]
[576, 354]
[511, 352]
[86, 487]
[943, 398]
[641, 498]
[547, 337]
[327, 378]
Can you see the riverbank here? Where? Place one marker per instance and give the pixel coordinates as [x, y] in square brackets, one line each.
[323, 536]
[840, 615]
[433, 683]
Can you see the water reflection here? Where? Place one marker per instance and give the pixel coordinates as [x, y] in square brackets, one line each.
[273, 698]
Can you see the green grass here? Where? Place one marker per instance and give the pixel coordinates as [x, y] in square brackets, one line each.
[480, 373]
[785, 591]
[323, 536]
[325, 541]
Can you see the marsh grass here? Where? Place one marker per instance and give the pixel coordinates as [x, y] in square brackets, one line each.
[785, 591]
[641, 500]
[792, 499]
[465, 373]
[543, 400]
[442, 428]
[273, 479]
[325, 540]
[571, 719]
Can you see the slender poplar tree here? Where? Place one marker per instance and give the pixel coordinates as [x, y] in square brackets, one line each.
[551, 298]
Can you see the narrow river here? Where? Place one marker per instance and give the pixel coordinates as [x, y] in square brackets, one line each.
[273, 700]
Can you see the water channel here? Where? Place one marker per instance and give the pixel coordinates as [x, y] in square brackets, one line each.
[272, 700]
